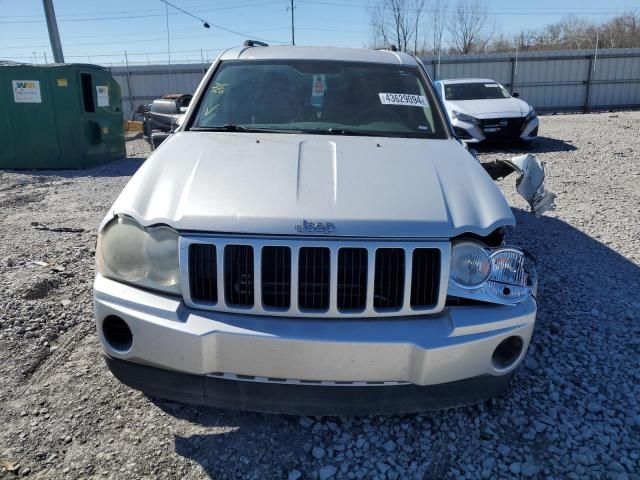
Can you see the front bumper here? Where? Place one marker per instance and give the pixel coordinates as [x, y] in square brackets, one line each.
[304, 399]
[474, 133]
[399, 354]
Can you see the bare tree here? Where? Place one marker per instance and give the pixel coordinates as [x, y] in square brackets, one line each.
[622, 31]
[467, 27]
[573, 32]
[525, 40]
[501, 43]
[397, 22]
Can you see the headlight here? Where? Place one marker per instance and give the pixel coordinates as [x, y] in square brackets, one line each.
[510, 271]
[470, 264]
[531, 115]
[463, 117]
[500, 275]
[146, 257]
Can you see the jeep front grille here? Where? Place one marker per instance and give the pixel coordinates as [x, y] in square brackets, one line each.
[424, 276]
[352, 279]
[314, 277]
[238, 275]
[389, 278]
[204, 277]
[276, 277]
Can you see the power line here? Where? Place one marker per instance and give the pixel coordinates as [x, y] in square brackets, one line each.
[120, 42]
[131, 54]
[251, 3]
[124, 16]
[209, 24]
[236, 4]
[499, 11]
[129, 33]
[516, 11]
[204, 22]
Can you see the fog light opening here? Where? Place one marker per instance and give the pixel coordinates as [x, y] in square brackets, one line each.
[507, 352]
[117, 333]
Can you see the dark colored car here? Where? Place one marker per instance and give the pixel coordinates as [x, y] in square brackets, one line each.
[163, 113]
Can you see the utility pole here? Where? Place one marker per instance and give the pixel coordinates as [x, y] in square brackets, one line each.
[54, 36]
[293, 34]
[166, 6]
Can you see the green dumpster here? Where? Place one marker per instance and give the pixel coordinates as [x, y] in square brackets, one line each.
[59, 116]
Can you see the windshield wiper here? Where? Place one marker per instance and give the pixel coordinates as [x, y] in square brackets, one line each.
[346, 131]
[340, 131]
[230, 127]
[363, 133]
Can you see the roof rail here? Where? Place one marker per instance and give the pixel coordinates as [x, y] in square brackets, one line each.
[391, 48]
[255, 43]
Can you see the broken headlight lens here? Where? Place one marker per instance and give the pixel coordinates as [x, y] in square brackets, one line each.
[499, 275]
[147, 257]
[509, 277]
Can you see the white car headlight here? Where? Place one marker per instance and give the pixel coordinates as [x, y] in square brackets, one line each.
[147, 257]
[499, 275]
[531, 114]
[463, 117]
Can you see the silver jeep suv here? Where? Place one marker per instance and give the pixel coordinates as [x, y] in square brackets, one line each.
[313, 240]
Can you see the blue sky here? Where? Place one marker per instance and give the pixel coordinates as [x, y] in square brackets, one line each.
[100, 32]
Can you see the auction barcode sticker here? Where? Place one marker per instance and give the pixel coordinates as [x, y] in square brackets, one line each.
[403, 99]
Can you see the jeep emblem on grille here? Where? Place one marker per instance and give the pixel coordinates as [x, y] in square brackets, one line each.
[310, 227]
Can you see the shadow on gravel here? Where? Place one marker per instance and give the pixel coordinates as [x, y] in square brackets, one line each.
[582, 283]
[133, 136]
[577, 269]
[124, 167]
[239, 442]
[539, 145]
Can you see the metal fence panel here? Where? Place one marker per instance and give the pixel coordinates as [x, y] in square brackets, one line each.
[569, 80]
[153, 81]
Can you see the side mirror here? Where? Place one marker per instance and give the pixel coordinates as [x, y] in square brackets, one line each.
[157, 138]
[515, 95]
[183, 109]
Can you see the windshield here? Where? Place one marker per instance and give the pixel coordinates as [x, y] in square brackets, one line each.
[348, 98]
[474, 91]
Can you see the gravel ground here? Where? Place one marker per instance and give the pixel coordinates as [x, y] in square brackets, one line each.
[572, 410]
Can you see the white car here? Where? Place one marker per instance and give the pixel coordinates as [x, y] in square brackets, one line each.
[482, 109]
[314, 240]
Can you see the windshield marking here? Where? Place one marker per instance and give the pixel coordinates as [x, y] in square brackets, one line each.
[208, 110]
[403, 99]
[219, 87]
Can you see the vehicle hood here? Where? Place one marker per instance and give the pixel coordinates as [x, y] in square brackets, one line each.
[491, 108]
[247, 183]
